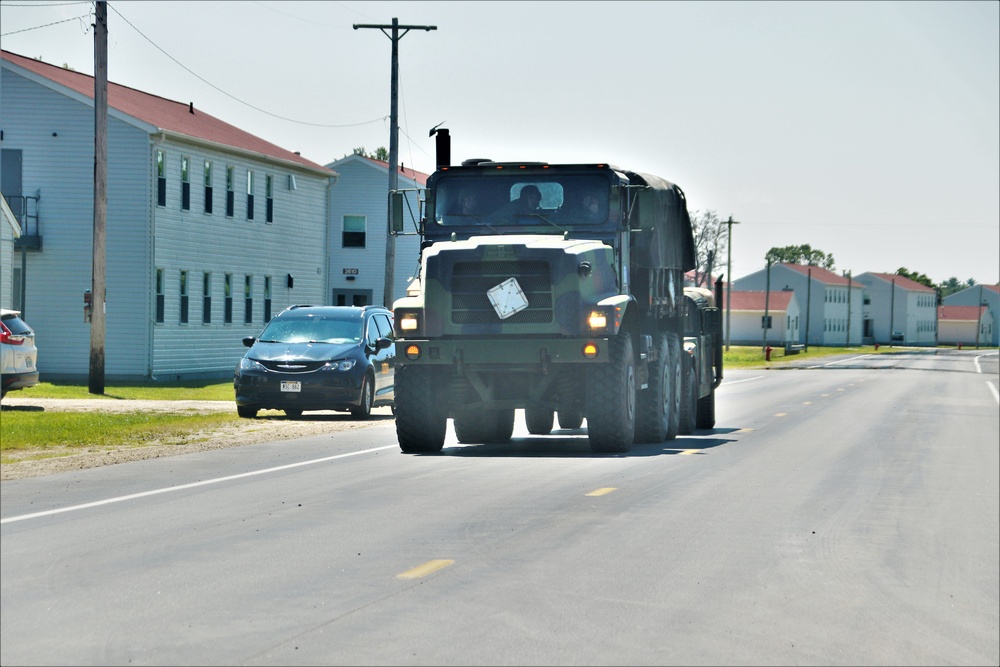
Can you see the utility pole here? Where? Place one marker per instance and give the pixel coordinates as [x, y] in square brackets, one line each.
[767, 303]
[849, 280]
[98, 289]
[729, 273]
[892, 310]
[390, 240]
[809, 288]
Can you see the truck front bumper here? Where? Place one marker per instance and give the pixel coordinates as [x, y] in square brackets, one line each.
[503, 352]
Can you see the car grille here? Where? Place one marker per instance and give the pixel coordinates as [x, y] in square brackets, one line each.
[291, 366]
[471, 281]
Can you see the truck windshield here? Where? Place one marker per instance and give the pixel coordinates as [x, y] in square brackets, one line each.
[564, 200]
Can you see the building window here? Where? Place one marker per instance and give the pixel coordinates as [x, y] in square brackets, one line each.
[184, 297]
[249, 195]
[269, 191]
[160, 299]
[208, 186]
[267, 299]
[354, 231]
[230, 192]
[185, 184]
[161, 179]
[206, 298]
[227, 315]
[247, 299]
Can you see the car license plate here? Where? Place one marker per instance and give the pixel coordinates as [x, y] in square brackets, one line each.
[291, 386]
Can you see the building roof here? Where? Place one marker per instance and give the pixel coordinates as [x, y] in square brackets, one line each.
[901, 282]
[820, 274]
[169, 116]
[960, 313]
[754, 301]
[418, 176]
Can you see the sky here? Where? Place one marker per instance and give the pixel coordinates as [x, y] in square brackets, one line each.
[867, 130]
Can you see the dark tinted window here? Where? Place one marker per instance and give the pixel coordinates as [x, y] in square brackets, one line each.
[17, 326]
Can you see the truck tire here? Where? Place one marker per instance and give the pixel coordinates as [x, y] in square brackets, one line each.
[706, 411]
[538, 420]
[421, 419]
[659, 405]
[611, 398]
[570, 419]
[689, 395]
[478, 426]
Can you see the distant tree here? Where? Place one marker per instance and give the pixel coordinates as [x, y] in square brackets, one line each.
[381, 153]
[953, 285]
[710, 236]
[915, 277]
[801, 254]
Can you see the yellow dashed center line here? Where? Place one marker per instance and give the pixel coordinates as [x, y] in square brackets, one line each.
[425, 569]
[781, 414]
[602, 492]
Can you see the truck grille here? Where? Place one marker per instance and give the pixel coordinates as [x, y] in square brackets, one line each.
[471, 281]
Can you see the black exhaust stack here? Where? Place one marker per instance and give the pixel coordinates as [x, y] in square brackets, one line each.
[443, 140]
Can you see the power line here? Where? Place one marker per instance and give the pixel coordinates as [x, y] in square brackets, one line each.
[233, 97]
[37, 27]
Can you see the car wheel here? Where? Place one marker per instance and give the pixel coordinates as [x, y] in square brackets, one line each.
[246, 412]
[364, 410]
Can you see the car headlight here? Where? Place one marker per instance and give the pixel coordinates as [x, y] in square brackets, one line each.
[248, 364]
[341, 365]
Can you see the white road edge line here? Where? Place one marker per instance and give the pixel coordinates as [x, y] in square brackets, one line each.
[756, 377]
[996, 395]
[840, 361]
[193, 485]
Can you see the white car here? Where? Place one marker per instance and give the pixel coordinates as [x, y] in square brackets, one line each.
[18, 355]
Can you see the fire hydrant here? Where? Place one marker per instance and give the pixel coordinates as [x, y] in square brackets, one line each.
[876, 347]
[767, 353]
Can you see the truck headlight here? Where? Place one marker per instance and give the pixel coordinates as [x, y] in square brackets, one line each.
[408, 322]
[597, 320]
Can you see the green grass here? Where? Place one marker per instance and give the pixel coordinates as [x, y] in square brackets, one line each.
[52, 433]
[753, 356]
[207, 390]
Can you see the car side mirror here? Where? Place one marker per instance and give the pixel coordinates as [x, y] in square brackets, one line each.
[383, 343]
[248, 341]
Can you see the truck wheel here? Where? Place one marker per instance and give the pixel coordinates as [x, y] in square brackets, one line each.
[611, 399]
[689, 396]
[421, 419]
[477, 426]
[538, 420]
[706, 411]
[570, 419]
[659, 405]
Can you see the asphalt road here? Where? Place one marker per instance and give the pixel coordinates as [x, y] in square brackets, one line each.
[843, 514]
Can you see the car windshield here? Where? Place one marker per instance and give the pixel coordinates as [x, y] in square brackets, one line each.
[312, 329]
[557, 200]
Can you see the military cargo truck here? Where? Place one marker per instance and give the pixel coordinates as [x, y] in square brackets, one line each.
[701, 371]
[552, 288]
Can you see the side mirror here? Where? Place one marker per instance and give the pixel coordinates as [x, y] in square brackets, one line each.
[396, 203]
[713, 320]
[248, 341]
[383, 343]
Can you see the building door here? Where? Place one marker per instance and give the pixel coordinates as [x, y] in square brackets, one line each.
[346, 297]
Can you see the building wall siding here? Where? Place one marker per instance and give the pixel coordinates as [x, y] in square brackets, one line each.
[56, 135]
[362, 189]
[193, 241]
[141, 237]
